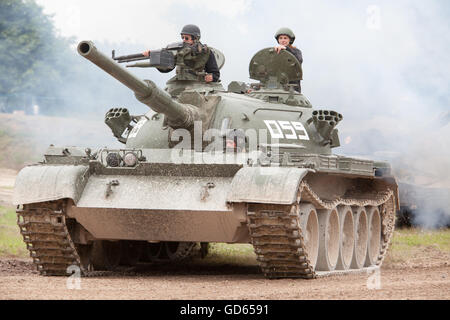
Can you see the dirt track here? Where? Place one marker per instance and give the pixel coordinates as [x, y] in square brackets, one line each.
[19, 280]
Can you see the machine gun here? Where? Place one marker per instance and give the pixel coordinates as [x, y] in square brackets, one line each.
[164, 60]
[190, 59]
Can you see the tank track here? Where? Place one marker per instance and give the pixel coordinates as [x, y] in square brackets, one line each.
[44, 230]
[277, 237]
[278, 244]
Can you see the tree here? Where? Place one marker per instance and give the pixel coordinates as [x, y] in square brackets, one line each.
[33, 59]
[39, 67]
[25, 35]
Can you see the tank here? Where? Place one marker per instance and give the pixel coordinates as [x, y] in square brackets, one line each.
[252, 164]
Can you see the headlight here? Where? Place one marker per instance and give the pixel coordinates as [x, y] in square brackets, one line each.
[113, 159]
[130, 159]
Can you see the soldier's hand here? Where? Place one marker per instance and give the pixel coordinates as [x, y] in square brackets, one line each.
[279, 48]
[146, 53]
[208, 78]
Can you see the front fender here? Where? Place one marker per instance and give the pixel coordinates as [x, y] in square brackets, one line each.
[275, 185]
[42, 183]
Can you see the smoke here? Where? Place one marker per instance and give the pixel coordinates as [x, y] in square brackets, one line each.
[417, 200]
[432, 208]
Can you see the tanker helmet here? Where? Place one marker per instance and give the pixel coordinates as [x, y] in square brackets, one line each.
[285, 31]
[191, 29]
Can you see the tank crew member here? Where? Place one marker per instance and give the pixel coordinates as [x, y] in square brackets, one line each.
[285, 38]
[190, 34]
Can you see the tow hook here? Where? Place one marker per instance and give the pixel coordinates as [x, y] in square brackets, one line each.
[205, 193]
[109, 186]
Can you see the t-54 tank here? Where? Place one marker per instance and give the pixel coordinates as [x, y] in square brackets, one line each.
[251, 164]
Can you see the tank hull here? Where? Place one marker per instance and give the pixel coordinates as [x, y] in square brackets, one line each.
[166, 225]
[228, 200]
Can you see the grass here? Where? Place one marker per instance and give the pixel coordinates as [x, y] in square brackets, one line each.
[11, 241]
[408, 238]
[417, 246]
[222, 253]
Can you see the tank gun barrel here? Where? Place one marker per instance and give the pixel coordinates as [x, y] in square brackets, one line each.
[146, 91]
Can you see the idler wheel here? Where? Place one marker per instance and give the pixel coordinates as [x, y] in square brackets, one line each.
[105, 255]
[347, 238]
[374, 243]
[328, 239]
[310, 231]
[361, 237]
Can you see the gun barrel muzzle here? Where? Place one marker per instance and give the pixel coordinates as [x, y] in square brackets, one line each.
[87, 50]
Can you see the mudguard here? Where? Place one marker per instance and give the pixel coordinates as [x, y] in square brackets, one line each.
[48, 183]
[277, 185]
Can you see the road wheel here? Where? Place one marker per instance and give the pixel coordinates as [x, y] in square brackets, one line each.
[329, 238]
[374, 243]
[361, 237]
[347, 239]
[310, 228]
